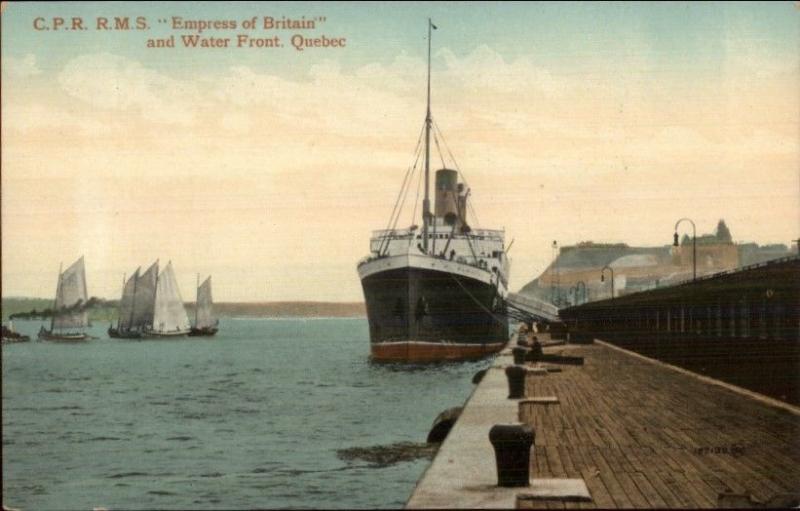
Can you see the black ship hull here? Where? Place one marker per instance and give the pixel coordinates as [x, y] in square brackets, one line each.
[424, 315]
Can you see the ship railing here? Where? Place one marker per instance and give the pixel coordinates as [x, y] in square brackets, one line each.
[369, 258]
[480, 263]
[404, 232]
[392, 233]
[492, 233]
[482, 234]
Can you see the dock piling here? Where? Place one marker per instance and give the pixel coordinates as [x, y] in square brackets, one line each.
[512, 447]
[516, 381]
[520, 354]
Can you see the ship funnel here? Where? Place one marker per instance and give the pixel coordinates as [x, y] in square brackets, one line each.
[446, 206]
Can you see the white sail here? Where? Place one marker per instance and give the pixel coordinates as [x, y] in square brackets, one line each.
[127, 301]
[205, 314]
[170, 314]
[71, 297]
[145, 299]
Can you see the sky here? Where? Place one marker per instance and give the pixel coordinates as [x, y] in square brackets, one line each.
[268, 168]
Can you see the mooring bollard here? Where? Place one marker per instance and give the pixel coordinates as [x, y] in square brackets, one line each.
[519, 354]
[512, 450]
[534, 353]
[516, 381]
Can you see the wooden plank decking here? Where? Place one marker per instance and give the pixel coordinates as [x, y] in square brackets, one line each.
[644, 435]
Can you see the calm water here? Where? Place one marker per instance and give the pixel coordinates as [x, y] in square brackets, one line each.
[250, 418]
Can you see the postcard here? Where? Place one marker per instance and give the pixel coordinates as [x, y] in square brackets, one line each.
[387, 254]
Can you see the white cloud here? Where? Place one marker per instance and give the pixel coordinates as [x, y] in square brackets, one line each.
[327, 153]
[24, 67]
[485, 68]
[491, 110]
[404, 75]
[24, 117]
[117, 83]
[330, 103]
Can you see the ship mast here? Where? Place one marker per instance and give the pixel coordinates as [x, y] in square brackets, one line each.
[55, 302]
[119, 316]
[426, 203]
[133, 300]
[197, 300]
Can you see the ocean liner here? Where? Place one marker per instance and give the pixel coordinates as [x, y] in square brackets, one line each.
[436, 292]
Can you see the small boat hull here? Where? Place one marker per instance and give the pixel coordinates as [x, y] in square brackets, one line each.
[154, 334]
[12, 337]
[123, 334]
[47, 335]
[203, 332]
[16, 339]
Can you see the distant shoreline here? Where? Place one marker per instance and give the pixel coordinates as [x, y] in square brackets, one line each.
[302, 309]
[283, 309]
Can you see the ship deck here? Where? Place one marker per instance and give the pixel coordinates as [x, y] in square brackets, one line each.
[638, 432]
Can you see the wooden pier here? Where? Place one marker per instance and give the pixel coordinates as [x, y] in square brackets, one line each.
[640, 433]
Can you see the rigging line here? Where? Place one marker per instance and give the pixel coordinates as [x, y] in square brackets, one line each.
[470, 207]
[416, 202]
[385, 240]
[404, 193]
[463, 177]
[453, 230]
[474, 215]
[439, 149]
[483, 307]
[449, 152]
[469, 236]
[402, 198]
[411, 177]
[403, 202]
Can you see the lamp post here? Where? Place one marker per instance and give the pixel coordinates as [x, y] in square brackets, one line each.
[603, 277]
[694, 244]
[554, 277]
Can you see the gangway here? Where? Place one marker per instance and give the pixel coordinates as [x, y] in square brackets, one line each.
[528, 309]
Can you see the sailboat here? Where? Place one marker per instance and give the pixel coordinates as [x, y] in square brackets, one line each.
[169, 315]
[136, 304]
[204, 322]
[438, 294]
[125, 316]
[144, 300]
[69, 315]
